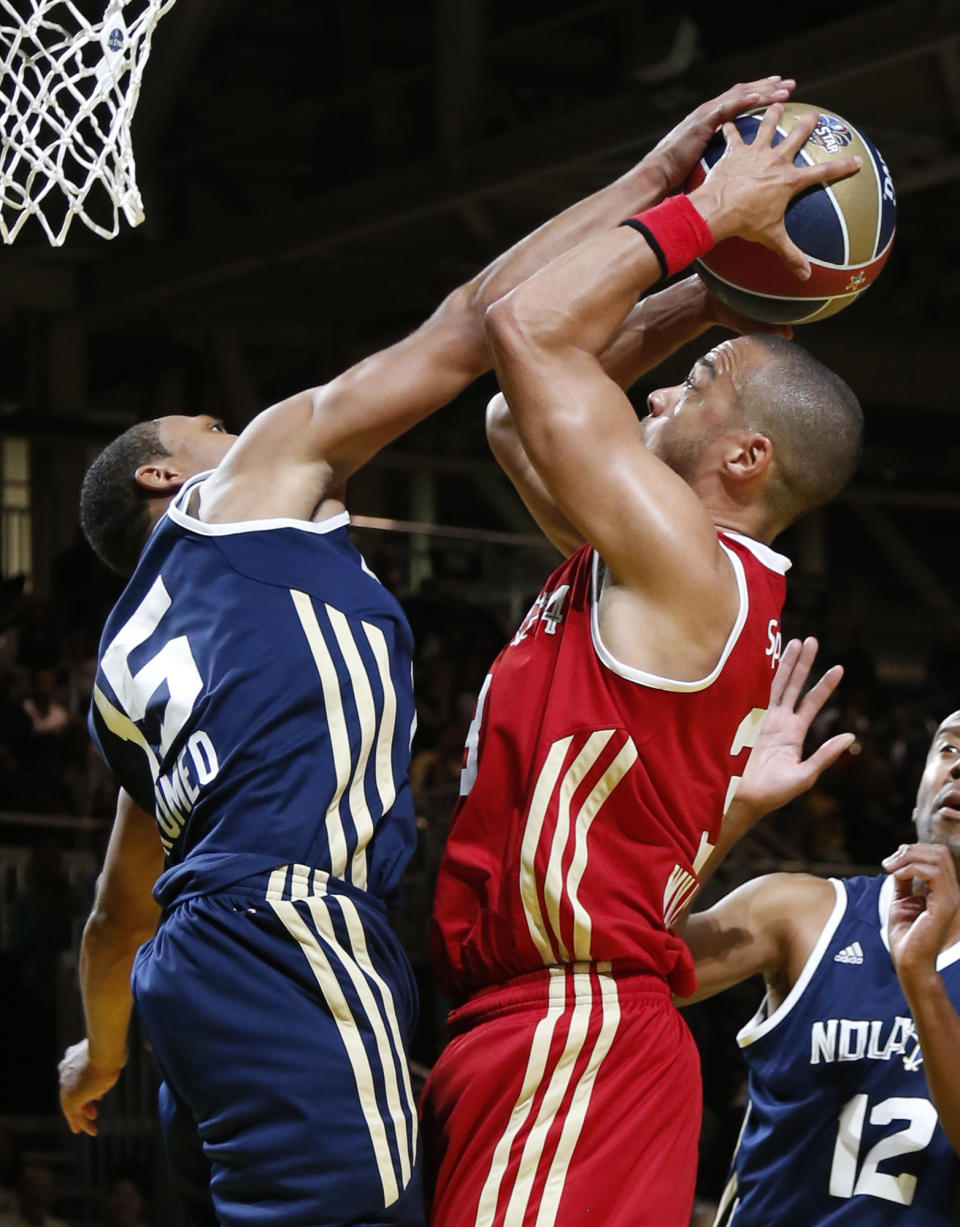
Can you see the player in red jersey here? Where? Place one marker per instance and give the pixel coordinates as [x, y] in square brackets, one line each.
[610, 733]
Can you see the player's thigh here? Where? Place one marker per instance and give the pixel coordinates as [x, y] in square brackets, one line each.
[285, 1038]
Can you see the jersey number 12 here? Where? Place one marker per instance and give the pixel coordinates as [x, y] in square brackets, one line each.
[849, 1177]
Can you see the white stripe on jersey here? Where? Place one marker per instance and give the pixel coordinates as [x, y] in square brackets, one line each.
[550, 783]
[532, 1077]
[367, 715]
[376, 734]
[572, 779]
[729, 1201]
[339, 737]
[366, 1080]
[386, 781]
[582, 925]
[536, 815]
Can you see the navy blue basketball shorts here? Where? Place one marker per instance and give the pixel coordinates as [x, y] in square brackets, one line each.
[279, 1013]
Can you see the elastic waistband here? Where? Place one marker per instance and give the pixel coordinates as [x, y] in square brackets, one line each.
[287, 882]
[536, 990]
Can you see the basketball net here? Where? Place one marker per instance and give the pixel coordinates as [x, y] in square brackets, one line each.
[69, 89]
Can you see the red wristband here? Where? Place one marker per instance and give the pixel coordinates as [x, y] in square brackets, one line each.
[675, 231]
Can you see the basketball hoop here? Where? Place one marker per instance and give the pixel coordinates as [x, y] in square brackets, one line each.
[69, 89]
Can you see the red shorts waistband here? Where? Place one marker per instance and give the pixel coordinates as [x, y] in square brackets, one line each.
[534, 990]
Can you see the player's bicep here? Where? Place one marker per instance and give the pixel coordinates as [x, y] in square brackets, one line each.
[133, 862]
[334, 428]
[508, 450]
[739, 937]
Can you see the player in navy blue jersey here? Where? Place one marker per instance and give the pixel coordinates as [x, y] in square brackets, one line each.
[853, 1113]
[253, 698]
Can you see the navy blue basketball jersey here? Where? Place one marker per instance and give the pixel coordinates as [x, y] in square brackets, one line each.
[840, 1127]
[254, 692]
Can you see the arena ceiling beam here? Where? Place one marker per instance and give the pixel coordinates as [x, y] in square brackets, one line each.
[820, 57]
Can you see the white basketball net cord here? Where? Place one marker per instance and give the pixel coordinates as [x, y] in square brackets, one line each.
[69, 89]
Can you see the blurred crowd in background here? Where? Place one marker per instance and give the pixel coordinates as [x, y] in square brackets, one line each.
[57, 801]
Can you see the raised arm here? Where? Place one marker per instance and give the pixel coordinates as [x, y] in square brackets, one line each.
[577, 426]
[920, 921]
[656, 327]
[124, 916]
[309, 444]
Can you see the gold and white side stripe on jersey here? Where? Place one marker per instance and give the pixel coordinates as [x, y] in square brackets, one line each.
[376, 734]
[374, 1065]
[556, 886]
[582, 924]
[556, 1079]
[730, 1201]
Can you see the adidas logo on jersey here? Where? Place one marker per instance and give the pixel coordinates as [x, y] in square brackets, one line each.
[850, 954]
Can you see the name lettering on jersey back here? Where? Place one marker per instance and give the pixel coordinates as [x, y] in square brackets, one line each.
[548, 608]
[774, 642]
[863, 1039]
[176, 792]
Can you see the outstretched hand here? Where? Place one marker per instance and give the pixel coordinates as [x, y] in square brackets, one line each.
[776, 770]
[926, 900]
[679, 151]
[747, 191]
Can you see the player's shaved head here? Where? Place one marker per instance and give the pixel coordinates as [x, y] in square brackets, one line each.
[114, 514]
[811, 417]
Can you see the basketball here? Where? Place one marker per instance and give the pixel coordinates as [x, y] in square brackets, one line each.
[846, 228]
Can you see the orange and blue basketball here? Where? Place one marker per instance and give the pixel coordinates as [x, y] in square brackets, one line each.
[846, 228]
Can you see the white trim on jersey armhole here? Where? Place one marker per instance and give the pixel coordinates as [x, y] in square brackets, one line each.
[180, 516]
[762, 1023]
[946, 958]
[653, 680]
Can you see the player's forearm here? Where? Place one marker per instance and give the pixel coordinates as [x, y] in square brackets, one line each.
[577, 303]
[656, 328]
[106, 959]
[638, 189]
[938, 1030]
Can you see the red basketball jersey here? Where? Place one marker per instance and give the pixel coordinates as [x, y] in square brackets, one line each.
[593, 792]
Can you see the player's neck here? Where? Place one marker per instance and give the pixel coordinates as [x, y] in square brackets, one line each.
[747, 525]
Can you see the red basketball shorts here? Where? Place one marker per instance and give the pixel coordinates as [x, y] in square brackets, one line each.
[565, 1097]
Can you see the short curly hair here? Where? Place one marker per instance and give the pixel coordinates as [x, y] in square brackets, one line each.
[113, 506]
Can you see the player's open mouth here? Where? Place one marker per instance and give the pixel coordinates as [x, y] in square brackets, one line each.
[948, 805]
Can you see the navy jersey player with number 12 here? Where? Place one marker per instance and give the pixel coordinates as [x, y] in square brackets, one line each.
[254, 700]
[853, 1113]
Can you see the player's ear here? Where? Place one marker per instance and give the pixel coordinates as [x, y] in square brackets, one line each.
[748, 455]
[158, 477]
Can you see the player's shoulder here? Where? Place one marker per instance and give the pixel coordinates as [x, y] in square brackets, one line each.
[789, 901]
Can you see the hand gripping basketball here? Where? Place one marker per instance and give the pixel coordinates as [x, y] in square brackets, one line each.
[747, 192]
